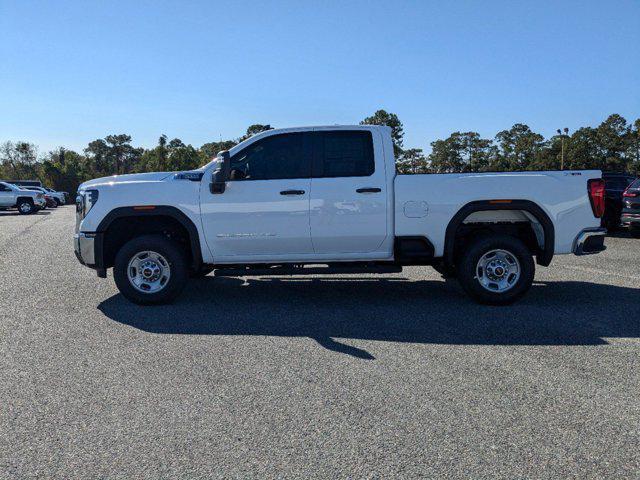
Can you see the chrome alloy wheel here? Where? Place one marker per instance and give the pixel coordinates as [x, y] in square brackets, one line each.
[25, 207]
[498, 270]
[148, 272]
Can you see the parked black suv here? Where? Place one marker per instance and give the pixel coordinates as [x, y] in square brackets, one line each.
[631, 208]
[614, 186]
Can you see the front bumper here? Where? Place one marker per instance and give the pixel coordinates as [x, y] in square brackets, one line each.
[84, 247]
[590, 241]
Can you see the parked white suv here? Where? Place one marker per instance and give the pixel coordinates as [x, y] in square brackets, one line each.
[26, 201]
[285, 200]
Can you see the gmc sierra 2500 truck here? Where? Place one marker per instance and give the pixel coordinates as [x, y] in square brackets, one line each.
[328, 199]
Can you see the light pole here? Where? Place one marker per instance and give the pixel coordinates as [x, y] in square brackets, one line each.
[566, 131]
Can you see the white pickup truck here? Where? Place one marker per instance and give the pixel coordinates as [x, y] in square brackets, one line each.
[328, 199]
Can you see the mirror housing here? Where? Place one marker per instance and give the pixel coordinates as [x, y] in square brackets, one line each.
[220, 176]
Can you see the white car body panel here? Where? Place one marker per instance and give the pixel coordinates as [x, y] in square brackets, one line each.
[562, 195]
[252, 223]
[253, 218]
[344, 221]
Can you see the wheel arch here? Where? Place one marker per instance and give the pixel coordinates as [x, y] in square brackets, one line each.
[543, 256]
[156, 215]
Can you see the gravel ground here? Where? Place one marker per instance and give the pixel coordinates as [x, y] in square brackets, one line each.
[349, 376]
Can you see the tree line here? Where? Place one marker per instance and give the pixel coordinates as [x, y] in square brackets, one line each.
[614, 145]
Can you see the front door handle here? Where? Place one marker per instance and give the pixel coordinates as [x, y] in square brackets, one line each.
[292, 192]
[369, 190]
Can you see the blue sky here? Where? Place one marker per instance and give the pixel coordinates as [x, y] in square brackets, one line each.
[73, 71]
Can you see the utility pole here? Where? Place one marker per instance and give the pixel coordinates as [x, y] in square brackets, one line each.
[562, 137]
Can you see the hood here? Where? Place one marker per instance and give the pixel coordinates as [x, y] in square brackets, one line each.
[133, 177]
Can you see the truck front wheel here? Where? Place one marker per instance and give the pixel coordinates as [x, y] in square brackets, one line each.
[26, 206]
[150, 269]
[496, 269]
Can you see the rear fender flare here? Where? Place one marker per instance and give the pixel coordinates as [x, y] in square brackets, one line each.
[543, 257]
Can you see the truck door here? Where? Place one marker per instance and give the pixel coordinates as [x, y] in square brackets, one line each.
[7, 197]
[348, 212]
[264, 210]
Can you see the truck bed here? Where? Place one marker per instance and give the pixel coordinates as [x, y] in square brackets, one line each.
[425, 204]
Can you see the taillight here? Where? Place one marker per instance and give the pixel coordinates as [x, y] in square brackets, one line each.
[627, 193]
[596, 196]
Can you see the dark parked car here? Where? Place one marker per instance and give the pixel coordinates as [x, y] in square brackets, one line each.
[631, 208]
[614, 184]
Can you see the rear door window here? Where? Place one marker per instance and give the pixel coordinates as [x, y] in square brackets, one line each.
[343, 153]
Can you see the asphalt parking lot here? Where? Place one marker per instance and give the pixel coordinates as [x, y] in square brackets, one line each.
[348, 376]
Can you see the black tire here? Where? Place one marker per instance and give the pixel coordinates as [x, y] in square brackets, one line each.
[468, 276]
[58, 202]
[203, 272]
[25, 206]
[174, 255]
[635, 232]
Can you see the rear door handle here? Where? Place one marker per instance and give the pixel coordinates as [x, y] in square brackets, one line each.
[292, 192]
[369, 190]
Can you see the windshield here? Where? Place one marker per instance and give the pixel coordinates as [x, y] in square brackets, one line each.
[635, 184]
[214, 161]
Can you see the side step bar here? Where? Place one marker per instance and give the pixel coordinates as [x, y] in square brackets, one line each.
[333, 269]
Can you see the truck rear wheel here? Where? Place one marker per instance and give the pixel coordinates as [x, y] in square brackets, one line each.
[151, 269]
[25, 206]
[496, 269]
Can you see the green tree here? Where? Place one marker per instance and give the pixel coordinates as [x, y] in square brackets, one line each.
[18, 160]
[612, 137]
[633, 147]
[461, 152]
[518, 148]
[412, 160]
[169, 156]
[64, 170]
[113, 155]
[211, 149]
[382, 117]
[255, 129]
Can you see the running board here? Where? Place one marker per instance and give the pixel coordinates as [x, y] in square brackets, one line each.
[307, 270]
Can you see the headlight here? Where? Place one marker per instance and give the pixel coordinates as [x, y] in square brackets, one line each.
[85, 201]
[90, 199]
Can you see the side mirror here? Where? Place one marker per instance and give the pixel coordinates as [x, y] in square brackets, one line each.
[221, 175]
